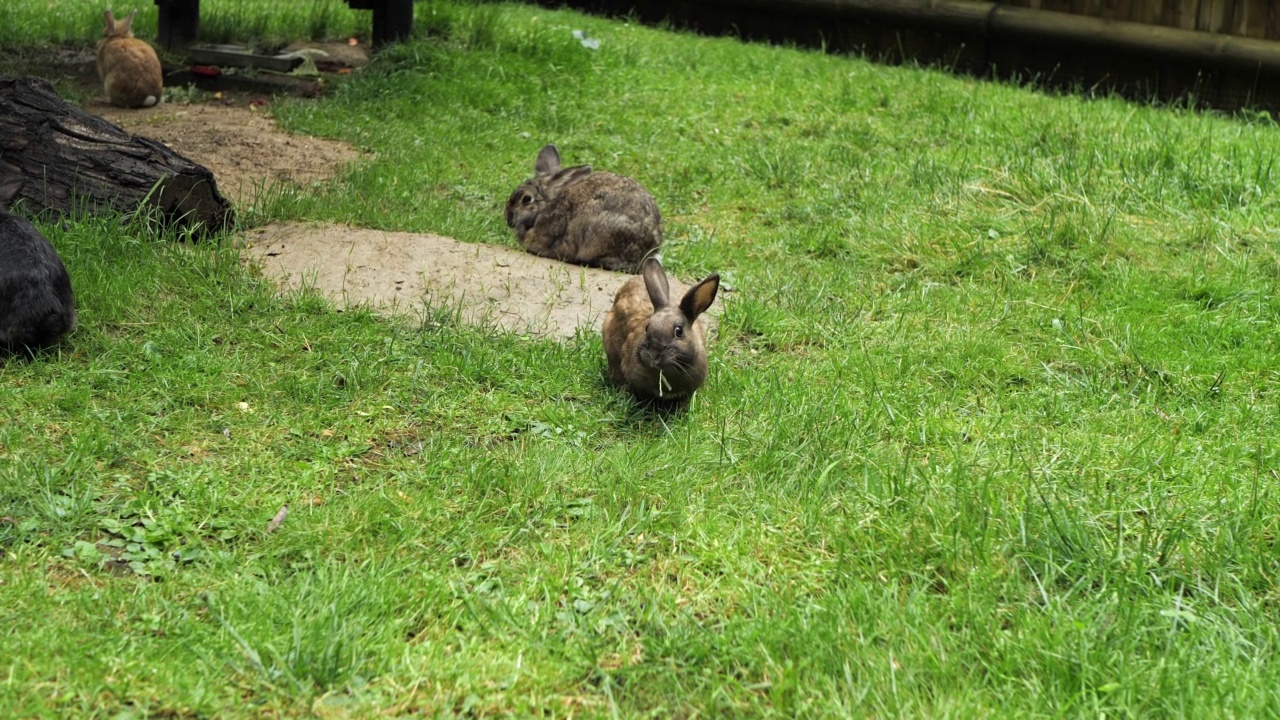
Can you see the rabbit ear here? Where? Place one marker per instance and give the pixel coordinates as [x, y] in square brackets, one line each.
[10, 185]
[655, 281]
[567, 177]
[126, 25]
[699, 298]
[111, 19]
[548, 161]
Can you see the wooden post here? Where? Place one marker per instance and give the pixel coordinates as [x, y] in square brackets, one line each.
[179, 23]
[392, 19]
[396, 23]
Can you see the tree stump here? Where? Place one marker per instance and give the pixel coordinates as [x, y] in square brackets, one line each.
[75, 162]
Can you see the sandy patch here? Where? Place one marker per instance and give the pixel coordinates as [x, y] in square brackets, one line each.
[238, 142]
[494, 285]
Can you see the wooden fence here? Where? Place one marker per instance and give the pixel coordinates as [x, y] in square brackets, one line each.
[1146, 49]
[1243, 18]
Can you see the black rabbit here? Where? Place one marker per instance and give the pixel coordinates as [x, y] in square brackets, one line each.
[36, 306]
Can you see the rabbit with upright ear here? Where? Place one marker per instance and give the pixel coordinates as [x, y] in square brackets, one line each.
[128, 67]
[655, 349]
[584, 217]
[36, 306]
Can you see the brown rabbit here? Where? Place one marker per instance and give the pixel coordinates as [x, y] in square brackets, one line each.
[129, 68]
[584, 217]
[655, 349]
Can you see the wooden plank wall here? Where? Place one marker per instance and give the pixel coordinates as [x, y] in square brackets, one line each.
[1246, 18]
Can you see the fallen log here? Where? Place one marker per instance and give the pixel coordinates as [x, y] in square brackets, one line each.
[76, 162]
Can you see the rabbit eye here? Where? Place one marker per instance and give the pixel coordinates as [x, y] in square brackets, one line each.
[526, 199]
[679, 331]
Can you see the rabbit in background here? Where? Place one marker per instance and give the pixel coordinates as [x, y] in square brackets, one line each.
[129, 68]
[657, 349]
[584, 217]
[36, 304]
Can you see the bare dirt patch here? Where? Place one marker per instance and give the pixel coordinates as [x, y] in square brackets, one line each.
[498, 286]
[238, 141]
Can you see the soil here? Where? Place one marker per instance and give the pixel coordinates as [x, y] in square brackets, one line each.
[235, 136]
[487, 285]
[237, 141]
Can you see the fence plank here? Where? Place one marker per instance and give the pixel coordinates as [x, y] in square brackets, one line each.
[1149, 12]
[1251, 18]
[1113, 9]
[1243, 18]
[1056, 5]
[1210, 15]
[1180, 13]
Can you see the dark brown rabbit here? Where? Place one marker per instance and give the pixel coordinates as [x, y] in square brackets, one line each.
[584, 217]
[128, 67]
[655, 349]
[36, 306]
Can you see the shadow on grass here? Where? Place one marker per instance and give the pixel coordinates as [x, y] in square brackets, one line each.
[641, 414]
[24, 354]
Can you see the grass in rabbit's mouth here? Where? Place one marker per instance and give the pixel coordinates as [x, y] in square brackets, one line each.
[989, 428]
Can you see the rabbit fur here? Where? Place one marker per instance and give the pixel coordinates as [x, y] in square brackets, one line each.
[129, 68]
[654, 348]
[36, 305]
[584, 217]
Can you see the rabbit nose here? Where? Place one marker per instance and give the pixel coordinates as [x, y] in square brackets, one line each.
[670, 356]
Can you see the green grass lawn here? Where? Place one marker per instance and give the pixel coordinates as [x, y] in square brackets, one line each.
[989, 431]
